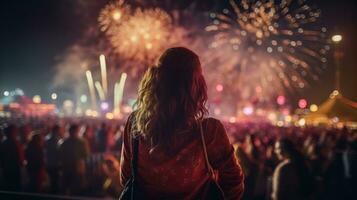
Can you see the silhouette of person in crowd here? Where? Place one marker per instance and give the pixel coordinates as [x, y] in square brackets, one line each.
[11, 159]
[35, 163]
[291, 178]
[52, 153]
[72, 155]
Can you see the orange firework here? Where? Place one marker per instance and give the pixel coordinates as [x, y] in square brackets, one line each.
[113, 15]
[138, 35]
[143, 36]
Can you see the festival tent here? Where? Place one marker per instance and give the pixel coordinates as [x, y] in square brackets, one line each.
[336, 108]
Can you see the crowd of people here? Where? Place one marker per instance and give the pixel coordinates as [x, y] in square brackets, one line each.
[66, 156]
[81, 157]
[296, 162]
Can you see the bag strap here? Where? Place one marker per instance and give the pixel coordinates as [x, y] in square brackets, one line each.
[134, 147]
[134, 164]
[134, 159]
[208, 164]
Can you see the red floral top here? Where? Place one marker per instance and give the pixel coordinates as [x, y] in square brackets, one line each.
[183, 174]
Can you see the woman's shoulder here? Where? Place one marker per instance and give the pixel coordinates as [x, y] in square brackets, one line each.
[211, 121]
[131, 116]
[213, 128]
[213, 124]
[130, 120]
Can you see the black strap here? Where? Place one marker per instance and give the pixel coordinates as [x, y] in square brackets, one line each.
[134, 160]
[134, 164]
[208, 164]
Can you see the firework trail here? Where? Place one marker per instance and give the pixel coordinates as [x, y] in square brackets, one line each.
[100, 90]
[118, 94]
[268, 46]
[103, 69]
[91, 89]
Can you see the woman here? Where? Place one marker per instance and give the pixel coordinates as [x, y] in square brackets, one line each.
[291, 178]
[170, 111]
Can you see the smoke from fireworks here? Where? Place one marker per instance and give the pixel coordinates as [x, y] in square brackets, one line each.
[71, 68]
[269, 46]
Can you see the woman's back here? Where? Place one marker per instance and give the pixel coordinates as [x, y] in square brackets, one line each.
[171, 100]
[182, 174]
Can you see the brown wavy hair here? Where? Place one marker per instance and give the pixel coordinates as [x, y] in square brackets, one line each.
[172, 97]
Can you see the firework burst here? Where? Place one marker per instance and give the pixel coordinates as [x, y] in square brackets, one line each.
[270, 46]
[143, 36]
[138, 36]
[112, 15]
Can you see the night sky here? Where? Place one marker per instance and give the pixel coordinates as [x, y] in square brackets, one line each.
[34, 33]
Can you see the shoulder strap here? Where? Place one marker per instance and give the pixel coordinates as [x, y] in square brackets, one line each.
[134, 148]
[134, 159]
[208, 164]
[134, 166]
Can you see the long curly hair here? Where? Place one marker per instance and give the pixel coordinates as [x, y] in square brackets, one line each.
[172, 97]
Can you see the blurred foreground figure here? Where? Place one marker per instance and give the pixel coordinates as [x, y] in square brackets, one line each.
[52, 146]
[73, 154]
[11, 159]
[35, 163]
[340, 183]
[170, 111]
[102, 135]
[291, 178]
[111, 169]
